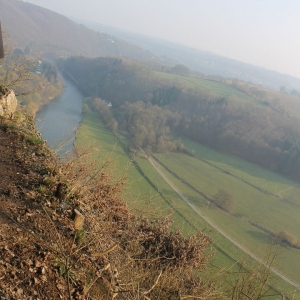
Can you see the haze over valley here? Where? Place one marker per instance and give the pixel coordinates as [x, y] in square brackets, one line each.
[176, 144]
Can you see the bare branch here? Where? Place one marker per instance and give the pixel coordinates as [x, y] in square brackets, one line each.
[154, 285]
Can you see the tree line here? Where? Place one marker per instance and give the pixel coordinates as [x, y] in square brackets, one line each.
[154, 110]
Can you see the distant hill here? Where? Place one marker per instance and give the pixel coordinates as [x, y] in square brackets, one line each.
[203, 61]
[45, 31]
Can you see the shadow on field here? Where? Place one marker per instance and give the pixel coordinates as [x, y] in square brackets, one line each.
[262, 237]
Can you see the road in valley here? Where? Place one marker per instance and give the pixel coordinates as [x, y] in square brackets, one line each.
[212, 224]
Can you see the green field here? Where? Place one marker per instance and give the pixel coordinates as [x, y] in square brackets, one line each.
[270, 213]
[270, 181]
[214, 87]
[279, 101]
[148, 194]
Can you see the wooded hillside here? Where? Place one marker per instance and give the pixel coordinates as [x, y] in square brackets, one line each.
[252, 131]
[40, 30]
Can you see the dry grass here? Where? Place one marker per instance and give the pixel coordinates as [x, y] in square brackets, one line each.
[126, 257]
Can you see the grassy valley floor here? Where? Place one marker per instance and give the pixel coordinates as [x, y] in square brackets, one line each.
[149, 195]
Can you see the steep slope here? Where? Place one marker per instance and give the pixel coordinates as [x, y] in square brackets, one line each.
[26, 268]
[46, 31]
[65, 232]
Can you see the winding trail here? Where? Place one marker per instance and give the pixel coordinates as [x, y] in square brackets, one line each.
[212, 224]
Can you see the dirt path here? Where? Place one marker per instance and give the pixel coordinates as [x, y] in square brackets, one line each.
[212, 224]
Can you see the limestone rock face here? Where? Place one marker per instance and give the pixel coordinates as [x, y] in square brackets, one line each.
[8, 104]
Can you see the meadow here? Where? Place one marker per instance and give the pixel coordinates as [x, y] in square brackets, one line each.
[282, 102]
[254, 213]
[214, 87]
[146, 193]
[254, 174]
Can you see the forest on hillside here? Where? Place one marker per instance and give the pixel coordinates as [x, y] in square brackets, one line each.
[154, 110]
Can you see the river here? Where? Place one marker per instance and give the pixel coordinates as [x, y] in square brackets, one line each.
[59, 119]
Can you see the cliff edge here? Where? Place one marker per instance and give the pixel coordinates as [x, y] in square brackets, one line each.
[66, 233]
[26, 258]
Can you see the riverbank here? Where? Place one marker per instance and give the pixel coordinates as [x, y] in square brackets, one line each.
[41, 95]
[59, 119]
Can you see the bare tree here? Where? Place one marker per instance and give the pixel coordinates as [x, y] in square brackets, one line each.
[15, 69]
[15, 72]
[223, 199]
[1, 44]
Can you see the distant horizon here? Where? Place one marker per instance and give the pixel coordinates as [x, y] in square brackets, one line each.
[259, 33]
[177, 43]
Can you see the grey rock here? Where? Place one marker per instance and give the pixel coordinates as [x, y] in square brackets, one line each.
[8, 104]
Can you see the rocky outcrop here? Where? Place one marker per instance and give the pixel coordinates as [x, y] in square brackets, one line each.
[8, 102]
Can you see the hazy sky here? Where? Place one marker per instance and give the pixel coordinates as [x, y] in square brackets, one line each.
[261, 32]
